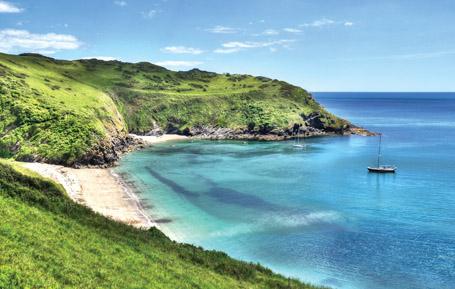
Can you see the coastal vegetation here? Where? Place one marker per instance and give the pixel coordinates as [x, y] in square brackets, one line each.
[79, 112]
[48, 241]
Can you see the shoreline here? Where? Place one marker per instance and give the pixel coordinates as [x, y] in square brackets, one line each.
[105, 191]
[102, 190]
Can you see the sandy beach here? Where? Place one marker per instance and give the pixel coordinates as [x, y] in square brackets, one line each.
[101, 189]
[149, 140]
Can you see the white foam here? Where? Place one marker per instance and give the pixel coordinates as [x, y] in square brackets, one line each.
[307, 219]
[278, 221]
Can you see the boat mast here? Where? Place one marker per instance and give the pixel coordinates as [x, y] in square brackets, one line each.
[379, 148]
[298, 135]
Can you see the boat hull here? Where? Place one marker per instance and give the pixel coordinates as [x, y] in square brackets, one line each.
[381, 170]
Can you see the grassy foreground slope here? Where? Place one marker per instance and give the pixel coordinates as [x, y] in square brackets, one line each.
[48, 241]
[80, 111]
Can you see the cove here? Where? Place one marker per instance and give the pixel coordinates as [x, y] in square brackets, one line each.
[316, 213]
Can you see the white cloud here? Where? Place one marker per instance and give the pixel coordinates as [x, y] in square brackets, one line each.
[149, 14]
[319, 23]
[104, 58]
[178, 63]
[120, 3]
[292, 30]
[182, 50]
[326, 22]
[24, 40]
[236, 46]
[46, 52]
[270, 32]
[226, 50]
[222, 30]
[6, 7]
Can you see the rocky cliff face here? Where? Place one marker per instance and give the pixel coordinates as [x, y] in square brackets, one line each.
[314, 128]
[108, 152]
[104, 154]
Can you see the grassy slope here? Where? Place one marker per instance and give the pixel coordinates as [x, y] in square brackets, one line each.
[45, 114]
[148, 94]
[59, 110]
[48, 241]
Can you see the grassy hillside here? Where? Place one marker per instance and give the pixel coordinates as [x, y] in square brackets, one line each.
[80, 111]
[48, 241]
[46, 116]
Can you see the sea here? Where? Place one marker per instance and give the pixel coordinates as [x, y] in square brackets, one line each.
[316, 213]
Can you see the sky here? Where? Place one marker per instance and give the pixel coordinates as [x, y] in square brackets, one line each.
[321, 45]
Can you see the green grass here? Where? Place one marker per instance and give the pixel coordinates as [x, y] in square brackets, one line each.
[59, 111]
[48, 241]
[48, 117]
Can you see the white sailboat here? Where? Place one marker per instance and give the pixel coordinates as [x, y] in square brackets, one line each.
[381, 168]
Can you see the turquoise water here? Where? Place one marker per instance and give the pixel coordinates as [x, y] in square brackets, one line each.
[317, 214]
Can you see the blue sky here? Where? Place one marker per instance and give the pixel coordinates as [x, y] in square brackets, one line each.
[331, 45]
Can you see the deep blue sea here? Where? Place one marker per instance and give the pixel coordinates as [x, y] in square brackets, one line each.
[317, 214]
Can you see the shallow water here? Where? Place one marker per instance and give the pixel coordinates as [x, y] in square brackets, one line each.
[317, 214]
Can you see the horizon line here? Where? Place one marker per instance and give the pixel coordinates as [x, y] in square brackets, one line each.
[346, 91]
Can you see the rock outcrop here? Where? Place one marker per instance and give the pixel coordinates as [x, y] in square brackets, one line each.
[108, 152]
